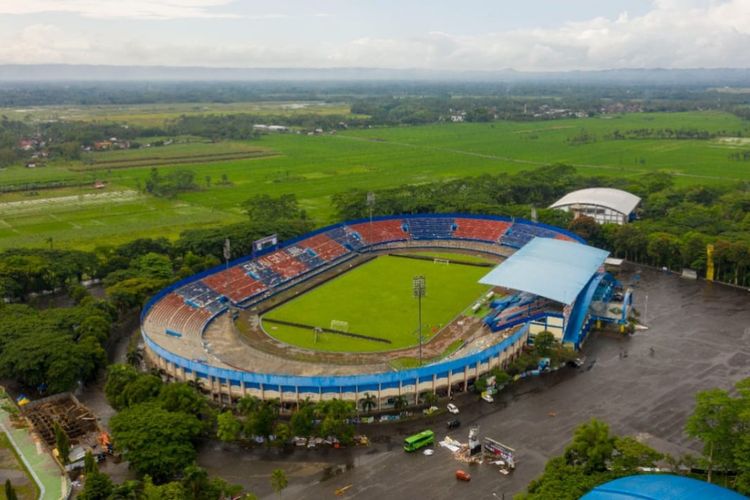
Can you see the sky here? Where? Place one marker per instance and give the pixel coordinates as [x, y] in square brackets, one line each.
[526, 35]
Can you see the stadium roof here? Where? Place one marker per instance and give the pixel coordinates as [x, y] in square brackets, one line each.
[554, 269]
[616, 199]
[659, 487]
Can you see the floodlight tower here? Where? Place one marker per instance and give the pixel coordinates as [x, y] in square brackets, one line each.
[370, 205]
[419, 290]
[227, 255]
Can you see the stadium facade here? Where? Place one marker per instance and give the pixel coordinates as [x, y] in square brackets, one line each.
[174, 321]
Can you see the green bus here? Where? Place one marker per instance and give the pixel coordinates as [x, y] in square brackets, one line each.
[417, 441]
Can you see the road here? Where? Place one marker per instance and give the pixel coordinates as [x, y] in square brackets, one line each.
[700, 334]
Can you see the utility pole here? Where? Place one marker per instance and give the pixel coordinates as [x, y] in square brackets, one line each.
[227, 256]
[419, 289]
[370, 204]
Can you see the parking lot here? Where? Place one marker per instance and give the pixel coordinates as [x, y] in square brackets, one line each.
[641, 385]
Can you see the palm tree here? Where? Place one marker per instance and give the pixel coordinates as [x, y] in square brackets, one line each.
[134, 357]
[430, 398]
[400, 402]
[368, 402]
[278, 481]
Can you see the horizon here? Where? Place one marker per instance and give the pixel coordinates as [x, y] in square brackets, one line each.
[537, 36]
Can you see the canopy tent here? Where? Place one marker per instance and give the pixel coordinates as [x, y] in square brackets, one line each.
[555, 269]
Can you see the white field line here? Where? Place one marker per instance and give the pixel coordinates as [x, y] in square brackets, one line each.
[89, 199]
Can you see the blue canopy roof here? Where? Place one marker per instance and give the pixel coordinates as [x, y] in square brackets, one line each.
[660, 487]
[554, 269]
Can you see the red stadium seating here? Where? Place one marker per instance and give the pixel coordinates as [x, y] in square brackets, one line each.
[234, 283]
[282, 263]
[326, 248]
[381, 231]
[480, 229]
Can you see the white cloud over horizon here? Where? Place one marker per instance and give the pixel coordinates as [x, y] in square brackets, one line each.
[670, 34]
[112, 9]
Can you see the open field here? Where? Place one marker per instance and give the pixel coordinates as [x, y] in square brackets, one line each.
[174, 154]
[359, 297]
[315, 167]
[157, 114]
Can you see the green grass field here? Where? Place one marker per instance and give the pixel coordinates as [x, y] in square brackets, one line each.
[156, 114]
[362, 296]
[315, 167]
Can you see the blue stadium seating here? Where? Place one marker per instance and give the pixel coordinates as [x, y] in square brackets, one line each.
[198, 294]
[519, 234]
[346, 237]
[262, 273]
[306, 256]
[429, 228]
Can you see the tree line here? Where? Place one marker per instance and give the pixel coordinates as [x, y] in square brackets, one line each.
[674, 227]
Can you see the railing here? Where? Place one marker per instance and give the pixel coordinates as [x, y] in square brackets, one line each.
[342, 382]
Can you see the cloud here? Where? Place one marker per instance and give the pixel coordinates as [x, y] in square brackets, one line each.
[673, 34]
[111, 9]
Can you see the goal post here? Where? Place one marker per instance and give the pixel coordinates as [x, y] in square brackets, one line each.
[441, 261]
[339, 325]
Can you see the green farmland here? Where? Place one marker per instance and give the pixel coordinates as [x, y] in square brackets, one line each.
[314, 167]
[360, 296]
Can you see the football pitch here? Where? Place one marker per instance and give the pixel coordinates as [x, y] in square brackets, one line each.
[376, 300]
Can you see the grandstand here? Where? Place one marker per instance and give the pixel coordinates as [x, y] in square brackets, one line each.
[174, 322]
[555, 278]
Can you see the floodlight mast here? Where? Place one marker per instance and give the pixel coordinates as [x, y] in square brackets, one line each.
[419, 289]
[370, 204]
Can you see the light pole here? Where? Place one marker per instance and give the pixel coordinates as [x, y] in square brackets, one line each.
[370, 204]
[419, 289]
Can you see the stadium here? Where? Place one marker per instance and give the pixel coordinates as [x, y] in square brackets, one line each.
[387, 307]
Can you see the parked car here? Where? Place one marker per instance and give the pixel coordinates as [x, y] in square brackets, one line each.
[462, 475]
[488, 397]
[453, 408]
[454, 424]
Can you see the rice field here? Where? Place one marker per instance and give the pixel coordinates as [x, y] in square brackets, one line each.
[315, 167]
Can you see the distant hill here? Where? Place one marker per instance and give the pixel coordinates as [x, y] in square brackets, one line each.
[72, 72]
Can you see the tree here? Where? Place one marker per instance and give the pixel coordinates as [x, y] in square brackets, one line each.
[134, 357]
[592, 447]
[279, 481]
[544, 342]
[430, 398]
[118, 378]
[261, 421]
[248, 404]
[263, 207]
[62, 443]
[368, 402]
[89, 463]
[587, 228]
[593, 457]
[180, 396]
[629, 455]
[155, 441]
[10, 492]
[228, 427]
[98, 486]
[400, 402]
[713, 422]
[283, 433]
[168, 491]
[336, 416]
[301, 422]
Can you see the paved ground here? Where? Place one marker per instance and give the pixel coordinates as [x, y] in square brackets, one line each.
[45, 471]
[700, 334]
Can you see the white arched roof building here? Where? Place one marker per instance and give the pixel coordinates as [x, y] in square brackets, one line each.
[605, 205]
